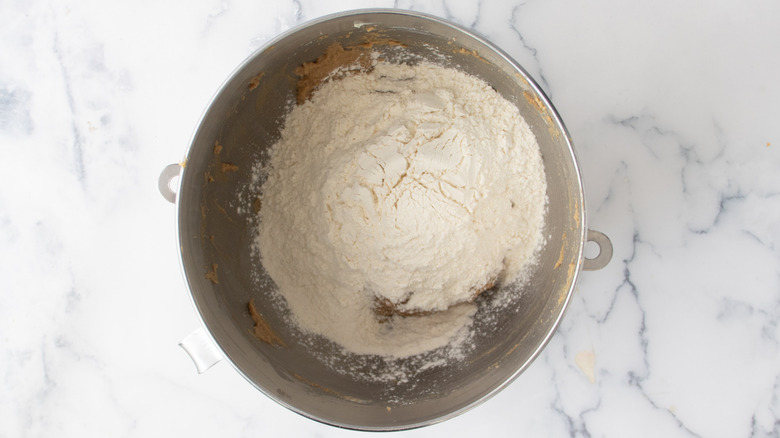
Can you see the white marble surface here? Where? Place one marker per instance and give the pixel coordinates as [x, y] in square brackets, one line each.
[674, 107]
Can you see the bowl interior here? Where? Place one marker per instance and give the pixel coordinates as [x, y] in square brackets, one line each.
[216, 229]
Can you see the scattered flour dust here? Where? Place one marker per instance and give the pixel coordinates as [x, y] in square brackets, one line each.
[418, 186]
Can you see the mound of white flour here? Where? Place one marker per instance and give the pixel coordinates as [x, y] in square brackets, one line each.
[418, 186]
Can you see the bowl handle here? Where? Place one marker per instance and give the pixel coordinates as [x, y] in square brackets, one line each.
[605, 251]
[167, 175]
[201, 349]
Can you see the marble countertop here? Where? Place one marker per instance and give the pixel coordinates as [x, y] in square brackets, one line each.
[674, 108]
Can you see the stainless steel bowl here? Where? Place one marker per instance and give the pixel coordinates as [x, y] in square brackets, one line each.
[245, 118]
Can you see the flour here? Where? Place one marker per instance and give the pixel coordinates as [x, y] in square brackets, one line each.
[414, 186]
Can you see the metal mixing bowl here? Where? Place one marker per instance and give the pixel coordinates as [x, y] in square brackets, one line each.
[215, 231]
